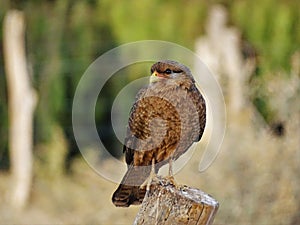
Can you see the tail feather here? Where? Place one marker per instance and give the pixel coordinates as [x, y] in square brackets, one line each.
[130, 191]
[126, 195]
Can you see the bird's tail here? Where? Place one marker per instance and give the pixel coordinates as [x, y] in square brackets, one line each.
[130, 191]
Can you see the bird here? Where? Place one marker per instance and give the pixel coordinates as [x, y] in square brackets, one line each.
[167, 117]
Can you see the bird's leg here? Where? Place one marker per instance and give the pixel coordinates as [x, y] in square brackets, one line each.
[170, 167]
[171, 176]
[152, 175]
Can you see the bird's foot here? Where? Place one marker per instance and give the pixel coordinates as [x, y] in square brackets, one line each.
[172, 180]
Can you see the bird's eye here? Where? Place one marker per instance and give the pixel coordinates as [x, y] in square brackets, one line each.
[168, 71]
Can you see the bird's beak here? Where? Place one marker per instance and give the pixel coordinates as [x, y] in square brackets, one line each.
[156, 74]
[154, 77]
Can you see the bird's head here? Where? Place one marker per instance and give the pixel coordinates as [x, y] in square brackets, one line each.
[169, 70]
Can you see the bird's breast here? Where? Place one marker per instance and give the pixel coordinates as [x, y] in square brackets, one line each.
[163, 123]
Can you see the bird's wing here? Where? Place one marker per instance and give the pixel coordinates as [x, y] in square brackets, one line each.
[199, 102]
[130, 143]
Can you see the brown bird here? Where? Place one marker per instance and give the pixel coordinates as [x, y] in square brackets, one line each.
[168, 116]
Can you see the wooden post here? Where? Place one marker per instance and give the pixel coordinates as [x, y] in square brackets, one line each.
[21, 103]
[166, 204]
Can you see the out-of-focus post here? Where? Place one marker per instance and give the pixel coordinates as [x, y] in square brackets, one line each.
[21, 103]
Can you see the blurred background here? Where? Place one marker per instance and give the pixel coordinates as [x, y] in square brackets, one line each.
[253, 48]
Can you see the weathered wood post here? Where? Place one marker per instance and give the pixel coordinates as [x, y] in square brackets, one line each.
[21, 103]
[166, 203]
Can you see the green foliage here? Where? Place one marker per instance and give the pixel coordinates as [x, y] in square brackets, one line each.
[177, 21]
[48, 76]
[3, 122]
[3, 99]
[273, 29]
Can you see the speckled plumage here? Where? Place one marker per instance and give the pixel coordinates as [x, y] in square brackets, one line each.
[168, 116]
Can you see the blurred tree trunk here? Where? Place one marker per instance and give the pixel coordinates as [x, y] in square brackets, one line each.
[221, 50]
[21, 103]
